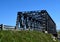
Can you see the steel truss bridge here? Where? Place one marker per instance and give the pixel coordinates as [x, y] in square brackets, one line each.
[36, 20]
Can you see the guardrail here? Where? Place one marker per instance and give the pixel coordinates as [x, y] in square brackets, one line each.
[6, 27]
[1, 26]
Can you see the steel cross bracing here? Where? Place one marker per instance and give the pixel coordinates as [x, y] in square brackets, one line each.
[31, 20]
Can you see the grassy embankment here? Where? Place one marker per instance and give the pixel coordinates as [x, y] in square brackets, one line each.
[24, 36]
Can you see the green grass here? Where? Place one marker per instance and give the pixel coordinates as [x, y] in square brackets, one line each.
[24, 36]
[58, 35]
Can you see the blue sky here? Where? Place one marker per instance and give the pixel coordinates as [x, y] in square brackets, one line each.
[9, 9]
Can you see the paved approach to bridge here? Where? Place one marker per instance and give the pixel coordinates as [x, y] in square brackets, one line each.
[36, 20]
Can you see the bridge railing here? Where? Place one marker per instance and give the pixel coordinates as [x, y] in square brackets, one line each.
[1, 26]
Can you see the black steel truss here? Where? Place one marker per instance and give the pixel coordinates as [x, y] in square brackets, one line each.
[36, 20]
